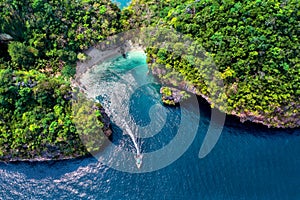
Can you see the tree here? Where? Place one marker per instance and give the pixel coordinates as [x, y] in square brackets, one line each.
[21, 54]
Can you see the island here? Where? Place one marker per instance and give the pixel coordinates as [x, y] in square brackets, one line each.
[253, 44]
[40, 43]
[43, 110]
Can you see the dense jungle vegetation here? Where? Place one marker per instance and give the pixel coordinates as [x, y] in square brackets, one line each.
[37, 118]
[254, 44]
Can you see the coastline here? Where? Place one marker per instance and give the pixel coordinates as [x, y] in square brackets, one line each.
[43, 159]
[96, 56]
[115, 50]
[243, 117]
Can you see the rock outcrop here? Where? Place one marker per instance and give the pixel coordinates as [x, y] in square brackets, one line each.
[172, 96]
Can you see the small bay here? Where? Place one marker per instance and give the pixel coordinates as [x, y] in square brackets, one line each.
[248, 162]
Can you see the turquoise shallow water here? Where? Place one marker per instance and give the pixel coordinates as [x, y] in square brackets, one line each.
[248, 162]
[122, 3]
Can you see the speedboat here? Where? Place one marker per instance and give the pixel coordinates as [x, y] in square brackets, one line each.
[139, 160]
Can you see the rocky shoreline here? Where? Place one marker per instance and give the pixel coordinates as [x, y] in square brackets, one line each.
[179, 93]
[171, 96]
[176, 97]
[54, 153]
[104, 118]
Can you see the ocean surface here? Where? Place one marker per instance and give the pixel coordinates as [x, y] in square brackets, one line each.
[248, 162]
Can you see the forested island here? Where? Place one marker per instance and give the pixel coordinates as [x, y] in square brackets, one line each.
[40, 44]
[254, 44]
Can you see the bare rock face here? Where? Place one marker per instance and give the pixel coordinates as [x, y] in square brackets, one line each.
[5, 37]
[108, 132]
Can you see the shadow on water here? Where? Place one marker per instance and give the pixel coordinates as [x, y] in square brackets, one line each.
[40, 170]
[234, 124]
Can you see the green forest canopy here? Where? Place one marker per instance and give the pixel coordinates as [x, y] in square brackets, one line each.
[254, 44]
[37, 114]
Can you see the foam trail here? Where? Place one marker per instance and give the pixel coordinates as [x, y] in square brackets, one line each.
[133, 138]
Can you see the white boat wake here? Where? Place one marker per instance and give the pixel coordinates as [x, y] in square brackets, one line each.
[139, 156]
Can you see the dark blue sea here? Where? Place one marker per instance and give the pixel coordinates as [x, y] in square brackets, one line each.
[248, 162]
